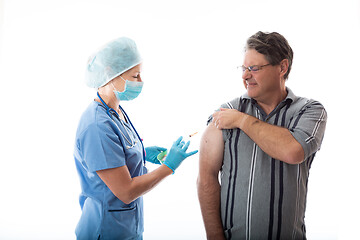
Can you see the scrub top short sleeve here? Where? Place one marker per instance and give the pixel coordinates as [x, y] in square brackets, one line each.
[101, 147]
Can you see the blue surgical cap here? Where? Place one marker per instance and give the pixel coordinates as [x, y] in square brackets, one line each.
[110, 61]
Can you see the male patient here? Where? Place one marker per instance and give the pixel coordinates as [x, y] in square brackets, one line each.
[263, 143]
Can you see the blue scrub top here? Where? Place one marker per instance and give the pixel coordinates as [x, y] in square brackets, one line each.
[100, 145]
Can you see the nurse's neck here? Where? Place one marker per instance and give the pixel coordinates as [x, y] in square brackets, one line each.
[109, 98]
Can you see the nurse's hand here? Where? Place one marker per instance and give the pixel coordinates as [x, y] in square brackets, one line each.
[178, 154]
[152, 153]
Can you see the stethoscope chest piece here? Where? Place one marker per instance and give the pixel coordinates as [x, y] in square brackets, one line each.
[132, 144]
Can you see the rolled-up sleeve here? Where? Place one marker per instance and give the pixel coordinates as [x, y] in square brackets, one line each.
[308, 127]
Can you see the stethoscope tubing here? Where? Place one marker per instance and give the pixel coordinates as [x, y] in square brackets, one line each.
[108, 109]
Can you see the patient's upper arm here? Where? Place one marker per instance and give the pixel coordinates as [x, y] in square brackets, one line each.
[211, 151]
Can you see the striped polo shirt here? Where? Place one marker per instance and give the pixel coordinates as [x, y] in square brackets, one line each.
[261, 197]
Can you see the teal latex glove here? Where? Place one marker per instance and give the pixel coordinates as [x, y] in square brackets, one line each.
[178, 154]
[152, 153]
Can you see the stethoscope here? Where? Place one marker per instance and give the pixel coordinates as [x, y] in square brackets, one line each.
[131, 142]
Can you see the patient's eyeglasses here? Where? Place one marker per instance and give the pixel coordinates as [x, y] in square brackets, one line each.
[253, 68]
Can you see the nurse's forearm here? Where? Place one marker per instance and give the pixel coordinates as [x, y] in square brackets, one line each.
[144, 183]
[128, 189]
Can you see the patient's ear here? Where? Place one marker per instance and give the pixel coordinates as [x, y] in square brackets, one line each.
[284, 65]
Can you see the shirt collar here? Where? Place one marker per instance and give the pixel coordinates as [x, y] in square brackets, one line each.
[290, 96]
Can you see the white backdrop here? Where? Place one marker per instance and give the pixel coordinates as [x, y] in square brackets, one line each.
[190, 51]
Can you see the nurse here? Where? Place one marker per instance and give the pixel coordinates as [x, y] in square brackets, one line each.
[109, 154]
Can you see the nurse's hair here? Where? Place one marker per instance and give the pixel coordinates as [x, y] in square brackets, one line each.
[273, 46]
